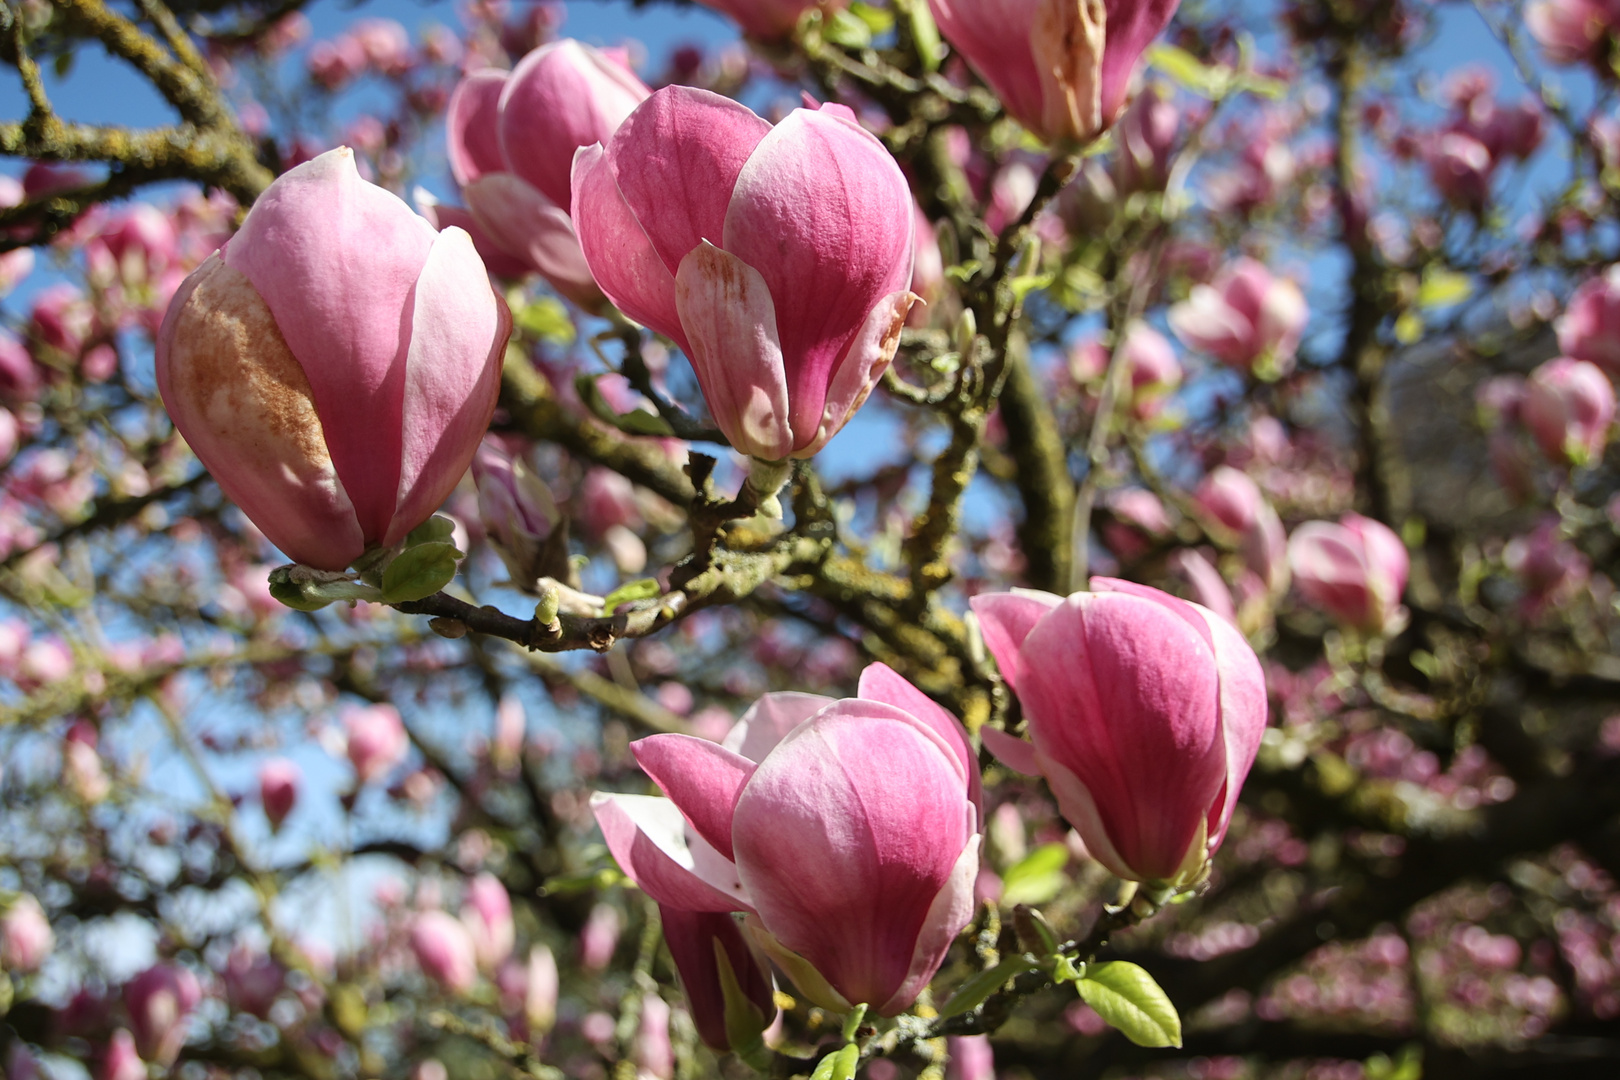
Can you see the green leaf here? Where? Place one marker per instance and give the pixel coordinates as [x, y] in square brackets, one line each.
[839, 1065]
[1191, 73]
[545, 319]
[972, 993]
[1443, 287]
[845, 29]
[419, 572]
[293, 596]
[1409, 328]
[1127, 998]
[1037, 877]
[640, 589]
[435, 530]
[1025, 284]
[852, 1022]
[634, 422]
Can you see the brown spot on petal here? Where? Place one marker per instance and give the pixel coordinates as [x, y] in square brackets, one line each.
[231, 370]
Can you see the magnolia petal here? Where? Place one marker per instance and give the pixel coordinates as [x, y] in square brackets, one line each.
[449, 399]
[1244, 711]
[1080, 810]
[676, 159]
[620, 256]
[655, 848]
[1017, 754]
[497, 260]
[1131, 27]
[768, 721]
[1005, 620]
[730, 324]
[950, 911]
[864, 361]
[1066, 40]
[880, 682]
[533, 228]
[229, 380]
[470, 126]
[702, 778]
[810, 982]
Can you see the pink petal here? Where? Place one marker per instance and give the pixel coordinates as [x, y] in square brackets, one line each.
[1013, 752]
[470, 126]
[951, 910]
[653, 845]
[1244, 711]
[560, 97]
[1131, 26]
[859, 369]
[994, 37]
[1005, 620]
[730, 325]
[1080, 810]
[824, 214]
[246, 408]
[846, 834]
[620, 255]
[676, 160]
[530, 226]
[1122, 690]
[336, 260]
[459, 328]
[497, 260]
[700, 777]
[768, 721]
[880, 682]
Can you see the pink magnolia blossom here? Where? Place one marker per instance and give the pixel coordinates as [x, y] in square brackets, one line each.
[848, 831]
[252, 980]
[1233, 502]
[600, 937]
[487, 914]
[766, 20]
[26, 938]
[971, 1058]
[160, 1000]
[1590, 326]
[779, 259]
[1550, 567]
[512, 141]
[279, 780]
[284, 362]
[9, 434]
[652, 1052]
[1461, 167]
[1355, 571]
[444, 951]
[377, 740]
[519, 514]
[1060, 69]
[1573, 31]
[1247, 318]
[120, 1060]
[20, 376]
[1146, 134]
[1209, 589]
[1145, 712]
[1568, 408]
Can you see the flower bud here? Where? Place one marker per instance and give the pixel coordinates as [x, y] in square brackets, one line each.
[540, 997]
[1063, 70]
[1568, 407]
[376, 740]
[512, 141]
[600, 937]
[778, 259]
[487, 915]
[444, 951]
[652, 1052]
[520, 516]
[1233, 502]
[1246, 318]
[1590, 327]
[279, 780]
[335, 365]
[1355, 571]
[120, 1060]
[971, 1058]
[159, 1001]
[1573, 31]
[1145, 712]
[252, 981]
[26, 938]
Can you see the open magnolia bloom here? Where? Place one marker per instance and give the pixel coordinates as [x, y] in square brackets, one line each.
[1145, 713]
[847, 832]
[778, 258]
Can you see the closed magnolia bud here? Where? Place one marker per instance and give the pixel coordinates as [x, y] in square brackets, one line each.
[540, 996]
[652, 1052]
[487, 915]
[971, 1058]
[1573, 31]
[1247, 318]
[279, 780]
[376, 740]
[1590, 327]
[120, 1060]
[520, 516]
[1232, 501]
[26, 938]
[1355, 571]
[778, 259]
[1063, 70]
[1568, 407]
[159, 1001]
[335, 364]
[600, 937]
[512, 141]
[444, 951]
[1145, 712]
[1461, 167]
